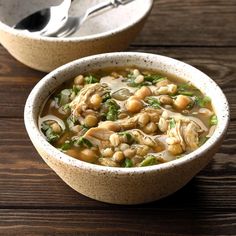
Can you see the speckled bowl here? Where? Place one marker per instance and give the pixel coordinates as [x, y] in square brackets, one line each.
[113, 30]
[126, 185]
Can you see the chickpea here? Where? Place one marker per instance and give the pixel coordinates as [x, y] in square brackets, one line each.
[90, 120]
[134, 105]
[108, 152]
[118, 156]
[79, 80]
[169, 89]
[162, 83]
[139, 79]
[150, 128]
[166, 100]
[182, 102]
[124, 146]
[96, 101]
[56, 128]
[163, 125]
[143, 119]
[129, 153]
[143, 92]
[175, 149]
[136, 72]
[115, 140]
[108, 162]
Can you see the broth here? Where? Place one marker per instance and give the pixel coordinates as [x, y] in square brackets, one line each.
[127, 117]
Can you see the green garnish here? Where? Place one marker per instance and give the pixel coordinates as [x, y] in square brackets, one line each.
[71, 121]
[153, 102]
[172, 123]
[76, 89]
[202, 102]
[213, 120]
[83, 142]
[67, 145]
[131, 82]
[186, 89]
[202, 140]
[113, 108]
[63, 97]
[106, 96]
[91, 79]
[128, 137]
[149, 161]
[127, 163]
[48, 132]
[154, 78]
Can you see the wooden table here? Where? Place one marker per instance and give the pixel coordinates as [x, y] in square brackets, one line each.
[34, 201]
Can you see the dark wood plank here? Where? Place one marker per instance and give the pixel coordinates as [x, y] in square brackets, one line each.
[218, 63]
[27, 182]
[195, 22]
[126, 221]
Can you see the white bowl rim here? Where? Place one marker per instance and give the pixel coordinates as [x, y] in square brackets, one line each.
[92, 37]
[37, 137]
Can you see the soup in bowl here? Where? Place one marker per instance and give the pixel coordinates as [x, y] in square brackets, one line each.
[126, 128]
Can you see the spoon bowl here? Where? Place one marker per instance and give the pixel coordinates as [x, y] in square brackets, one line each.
[46, 21]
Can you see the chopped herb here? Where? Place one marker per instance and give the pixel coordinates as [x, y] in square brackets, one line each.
[127, 163]
[76, 89]
[153, 102]
[128, 137]
[71, 121]
[202, 102]
[186, 93]
[113, 108]
[172, 123]
[83, 142]
[106, 97]
[149, 161]
[202, 140]
[213, 120]
[154, 78]
[67, 145]
[131, 81]
[186, 89]
[48, 132]
[91, 79]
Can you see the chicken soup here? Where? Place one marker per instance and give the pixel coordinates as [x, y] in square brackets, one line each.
[127, 117]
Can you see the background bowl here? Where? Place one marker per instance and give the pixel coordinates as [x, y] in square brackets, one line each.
[126, 185]
[110, 31]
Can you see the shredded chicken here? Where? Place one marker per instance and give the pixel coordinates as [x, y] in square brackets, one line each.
[81, 102]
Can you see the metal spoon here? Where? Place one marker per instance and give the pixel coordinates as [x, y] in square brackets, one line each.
[46, 21]
[73, 23]
[69, 24]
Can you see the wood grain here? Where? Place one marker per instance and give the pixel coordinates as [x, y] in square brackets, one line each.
[127, 221]
[195, 22]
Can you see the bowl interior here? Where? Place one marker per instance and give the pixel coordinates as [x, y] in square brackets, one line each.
[149, 61]
[12, 11]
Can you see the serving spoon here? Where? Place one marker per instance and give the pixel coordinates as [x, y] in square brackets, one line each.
[55, 22]
[46, 21]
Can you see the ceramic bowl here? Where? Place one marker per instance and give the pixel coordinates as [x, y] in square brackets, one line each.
[113, 30]
[126, 185]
